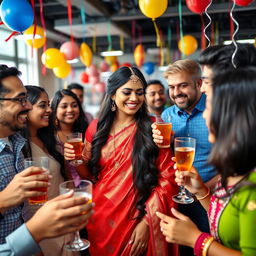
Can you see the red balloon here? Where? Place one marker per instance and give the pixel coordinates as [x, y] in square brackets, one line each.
[84, 77]
[126, 64]
[243, 2]
[197, 6]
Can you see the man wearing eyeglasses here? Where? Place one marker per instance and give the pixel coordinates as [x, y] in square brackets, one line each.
[15, 184]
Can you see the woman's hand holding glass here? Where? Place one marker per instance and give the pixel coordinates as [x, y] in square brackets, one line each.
[157, 137]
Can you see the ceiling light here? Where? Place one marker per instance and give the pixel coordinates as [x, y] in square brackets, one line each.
[73, 61]
[242, 41]
[27, 37]
[111, 53]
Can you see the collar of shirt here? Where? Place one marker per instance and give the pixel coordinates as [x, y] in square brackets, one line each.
[200, 106]
[15, 139]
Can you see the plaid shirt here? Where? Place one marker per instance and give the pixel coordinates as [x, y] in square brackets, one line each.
[11, 163]
[185, 125]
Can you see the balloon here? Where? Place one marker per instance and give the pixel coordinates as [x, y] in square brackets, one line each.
[92, 70]
[104, 67]
[126, 64]
[110, 59]
[85, 54]
[62, 71]
[190, 45]
[153, 8]
[149, 67]
[197, 6]
[17, 15]
[53, 58]
[243, 2]
[94, 79]
[114, 67]
[84, 77]
[100, 87]
[70, 50]
[139, 55]
[38, 43]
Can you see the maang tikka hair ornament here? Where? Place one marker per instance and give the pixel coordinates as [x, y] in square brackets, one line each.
[134, 78]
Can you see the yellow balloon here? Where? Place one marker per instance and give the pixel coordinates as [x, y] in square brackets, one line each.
[190, 45]
[139, 55]
[38, 43]
[110, 60]
[153, 8]
[62, 71]
[85, 54]
[53, 58]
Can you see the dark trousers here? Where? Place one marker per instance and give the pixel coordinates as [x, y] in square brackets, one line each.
[199, 216]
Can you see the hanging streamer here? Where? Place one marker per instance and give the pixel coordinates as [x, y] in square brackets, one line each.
[216, 33]
[209, 23]
[94, 41]
[181, 30]
[169, 41]
[203, 41]
[233, 37]
[44, 28]
[83, 18]
[140, 35]
[212, 34]
[34, 31]
[231, 23]
[158, 40]
[109, 37]
[122, 42]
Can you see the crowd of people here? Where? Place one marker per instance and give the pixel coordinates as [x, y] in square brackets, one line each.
[133, 177]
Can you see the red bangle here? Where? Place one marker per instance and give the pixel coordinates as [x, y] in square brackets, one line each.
[198, 248]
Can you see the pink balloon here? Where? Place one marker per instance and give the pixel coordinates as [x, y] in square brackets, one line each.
[100, 87]
[104, 67]
[92, 70]
[70, 50]
[94, 79]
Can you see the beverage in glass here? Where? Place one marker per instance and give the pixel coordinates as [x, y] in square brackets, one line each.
[165, 127]
[42, 162]
[76, 140]
[83, 188]
[184, 148]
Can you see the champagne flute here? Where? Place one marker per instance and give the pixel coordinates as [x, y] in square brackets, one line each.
[83, 189]
[184, 148]
[76, 140]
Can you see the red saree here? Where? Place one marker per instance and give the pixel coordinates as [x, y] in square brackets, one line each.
[113, 221]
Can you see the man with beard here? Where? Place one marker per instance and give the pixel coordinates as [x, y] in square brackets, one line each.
[184, 82]
[15, 184]
[155, 97]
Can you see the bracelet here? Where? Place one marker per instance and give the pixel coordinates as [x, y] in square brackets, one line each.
[207, 245]
[199, 244]
[203, 197]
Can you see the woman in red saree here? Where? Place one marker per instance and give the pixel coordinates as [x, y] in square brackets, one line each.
[133, 178]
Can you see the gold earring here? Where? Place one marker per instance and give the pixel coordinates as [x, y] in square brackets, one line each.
[56, 122]
[113, 106]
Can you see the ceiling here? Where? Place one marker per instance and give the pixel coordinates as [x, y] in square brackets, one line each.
[118, 17]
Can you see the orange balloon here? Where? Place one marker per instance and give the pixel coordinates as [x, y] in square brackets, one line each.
[139, 55]
[189, 46]
[110, 59]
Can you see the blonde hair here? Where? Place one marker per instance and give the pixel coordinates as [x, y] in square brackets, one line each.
[187, 65]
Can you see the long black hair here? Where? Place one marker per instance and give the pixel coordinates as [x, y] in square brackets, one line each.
[81, 124]
[145, 152]
[233, 122]
[45, 134]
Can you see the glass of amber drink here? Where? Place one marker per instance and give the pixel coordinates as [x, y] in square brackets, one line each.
[165, 127]
[83, 189]
[42, 162]
[76, 140]
[184, 148]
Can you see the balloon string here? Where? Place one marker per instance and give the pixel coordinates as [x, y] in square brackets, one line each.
[83, 18]
[122, 42]
[94, 41]
[158, 39]
[44, 29]
[1, 23]
[109, 37]
[233, 36]
[11, 35]
[181, 30]
[34, 30]
[209, 23]
[203, 41]
[169, 41]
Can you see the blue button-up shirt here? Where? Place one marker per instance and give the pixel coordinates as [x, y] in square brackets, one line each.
[193, 125]
[11, 163]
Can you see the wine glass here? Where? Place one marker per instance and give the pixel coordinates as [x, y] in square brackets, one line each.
[76, 140]
[83, 189]
[184, 148]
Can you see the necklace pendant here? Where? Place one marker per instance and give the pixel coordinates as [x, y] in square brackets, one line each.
[117, 164]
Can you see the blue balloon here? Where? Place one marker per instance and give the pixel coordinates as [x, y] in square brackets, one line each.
[17, 15]
[149, 67]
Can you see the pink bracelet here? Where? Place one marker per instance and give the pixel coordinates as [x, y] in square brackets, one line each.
[198, 248]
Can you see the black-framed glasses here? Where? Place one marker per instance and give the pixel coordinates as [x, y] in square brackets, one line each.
[23, 100]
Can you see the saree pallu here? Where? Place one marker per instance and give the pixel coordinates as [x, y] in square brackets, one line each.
[114, 219]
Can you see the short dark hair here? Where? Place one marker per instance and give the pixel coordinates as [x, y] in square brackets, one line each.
[219, 57]
[233, 122]
[155, 81]
[75, 86]
[5, 71]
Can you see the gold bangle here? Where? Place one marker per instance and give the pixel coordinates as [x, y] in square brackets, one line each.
[203, 197]
[207, 245]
